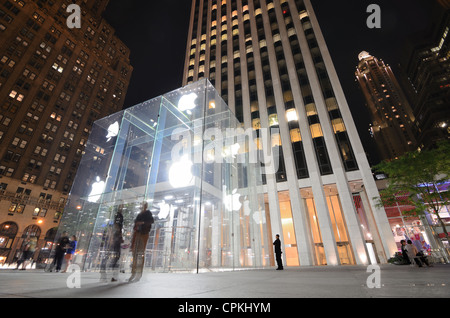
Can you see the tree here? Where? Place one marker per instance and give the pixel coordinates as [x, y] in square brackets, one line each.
[417, 176]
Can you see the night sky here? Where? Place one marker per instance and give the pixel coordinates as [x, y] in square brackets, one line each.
[156, 33]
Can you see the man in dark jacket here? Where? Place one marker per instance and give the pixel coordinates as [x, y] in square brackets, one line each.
[141, 231]
[60, 250]
[278, 252]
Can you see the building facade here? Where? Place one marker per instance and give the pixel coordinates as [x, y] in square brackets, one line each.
[427, 80]
[269, 61]
[393, 121]
[54, 83]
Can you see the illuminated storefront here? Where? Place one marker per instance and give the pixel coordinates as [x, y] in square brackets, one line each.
[180, 154]
[424, 231]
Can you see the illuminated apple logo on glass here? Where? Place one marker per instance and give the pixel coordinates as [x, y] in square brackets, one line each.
[164, 210]
[96, 190]
[258, 216]
[232, 150]
[187, 102]
[232, 201]
[180, 173]
[113, 131]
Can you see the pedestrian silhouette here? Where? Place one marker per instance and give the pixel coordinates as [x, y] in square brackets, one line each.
[141, 231]
[111, 245]
[60, 250]
[278, 252]
[415, 255]
[70, 251]
[27, 253]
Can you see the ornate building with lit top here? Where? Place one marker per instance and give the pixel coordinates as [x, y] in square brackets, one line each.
[393, 121]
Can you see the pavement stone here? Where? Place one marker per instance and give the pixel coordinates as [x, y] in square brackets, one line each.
[300, 282]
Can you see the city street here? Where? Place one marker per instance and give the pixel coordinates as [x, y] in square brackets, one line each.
[305, 282]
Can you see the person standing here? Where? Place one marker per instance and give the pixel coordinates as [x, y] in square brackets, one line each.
[60, 250]
[278, 252]
[111, 243]
[412, 253]
[405, 252]
[71, 247]
[418, 256]
[141, 231]
[28, 252]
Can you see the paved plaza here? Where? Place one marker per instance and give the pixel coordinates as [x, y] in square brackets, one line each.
[302, 282]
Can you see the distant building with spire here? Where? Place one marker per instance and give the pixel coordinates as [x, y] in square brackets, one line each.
[392, 116]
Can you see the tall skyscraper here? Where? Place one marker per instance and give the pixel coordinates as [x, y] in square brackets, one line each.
[392, 116]
[54, 83]
[427, 79]
[269, 61]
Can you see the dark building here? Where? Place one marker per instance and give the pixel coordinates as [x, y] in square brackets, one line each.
[54, 83]
[426, 74]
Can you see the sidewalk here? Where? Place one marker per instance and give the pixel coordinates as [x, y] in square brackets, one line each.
[301, 282]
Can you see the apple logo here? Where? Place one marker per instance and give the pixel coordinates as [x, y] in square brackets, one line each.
[187, 102]
[232, 150]
[232, 201]
[235, 149]
[97, 189]
[259, 217]
[180, 174]
[113, 131]
[164, 210]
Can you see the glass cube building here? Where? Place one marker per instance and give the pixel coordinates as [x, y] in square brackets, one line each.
[184, 154]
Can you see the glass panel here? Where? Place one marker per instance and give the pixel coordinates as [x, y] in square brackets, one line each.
[361, 213]
[290, 242]
[315, 230]
[340, 231]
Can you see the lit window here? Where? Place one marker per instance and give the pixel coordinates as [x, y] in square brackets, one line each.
[256, 123]
[273, 120]
[276, 140]
[295, 135]
[316, 131]
[311, 109]
[291, 115]
[338, 125]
